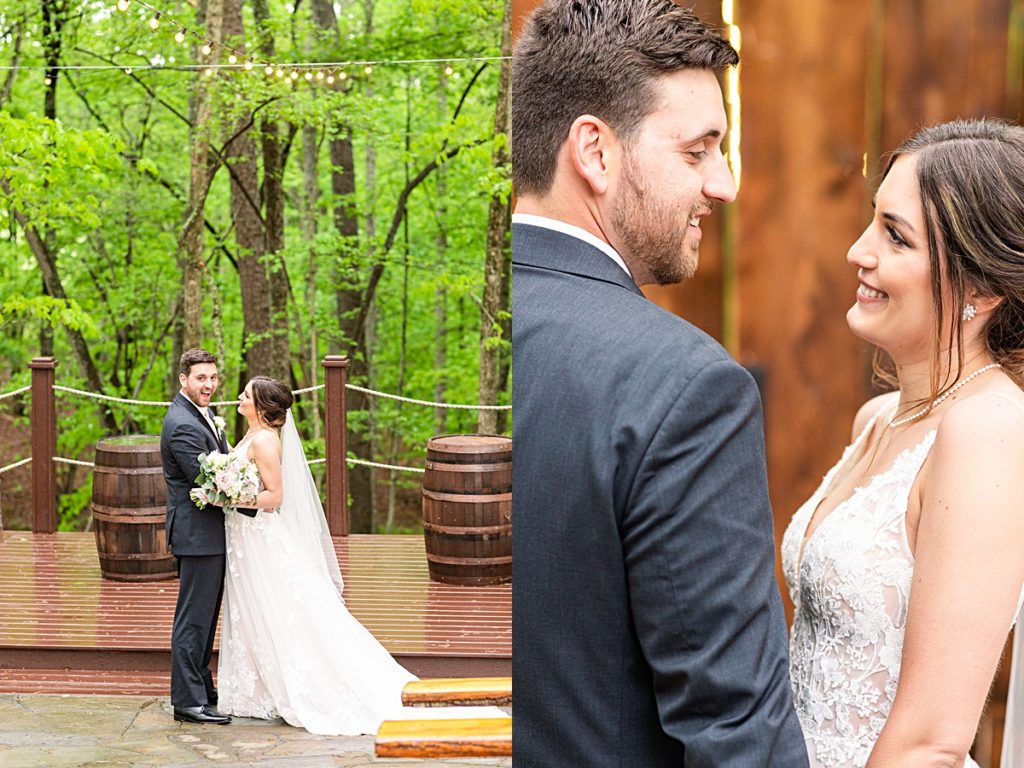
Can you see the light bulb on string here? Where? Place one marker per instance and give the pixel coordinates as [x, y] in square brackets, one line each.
[232, 59]
[343, 75]
[208, 72]
[280, 73]
[122, 5]
[206, 49]
[154, 22]
[330, 79]
[127, 70]
[319, 75]
[294, 75]
[248, 64]
[368, 70]
[269, 70]
[179, 36]
[448, 70]
[47, 80]
[308, 76]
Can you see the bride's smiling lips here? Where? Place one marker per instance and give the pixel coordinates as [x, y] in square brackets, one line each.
[868, 294]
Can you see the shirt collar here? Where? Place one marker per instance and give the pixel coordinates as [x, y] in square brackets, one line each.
[573, 231]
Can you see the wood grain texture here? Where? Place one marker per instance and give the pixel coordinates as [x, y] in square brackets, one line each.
[458, 691]
[455, 737]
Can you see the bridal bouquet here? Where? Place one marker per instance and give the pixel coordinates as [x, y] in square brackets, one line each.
[225, 480]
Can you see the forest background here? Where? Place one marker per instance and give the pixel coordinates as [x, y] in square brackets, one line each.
[208, 185]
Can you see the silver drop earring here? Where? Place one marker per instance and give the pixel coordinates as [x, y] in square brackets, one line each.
[969, 312]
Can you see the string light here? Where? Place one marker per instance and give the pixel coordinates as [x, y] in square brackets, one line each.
[48, 80]
[331, 72]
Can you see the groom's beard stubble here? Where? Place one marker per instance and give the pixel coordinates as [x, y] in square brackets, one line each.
[651, 229]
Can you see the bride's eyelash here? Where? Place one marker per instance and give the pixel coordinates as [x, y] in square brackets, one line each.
[895, 237]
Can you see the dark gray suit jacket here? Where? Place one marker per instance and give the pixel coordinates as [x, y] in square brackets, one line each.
[648, 629]
[186, 434]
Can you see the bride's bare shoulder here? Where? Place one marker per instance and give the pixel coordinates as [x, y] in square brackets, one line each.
[871, 409]
[266, 442]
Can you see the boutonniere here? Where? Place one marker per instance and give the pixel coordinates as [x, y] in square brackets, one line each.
[219, 423]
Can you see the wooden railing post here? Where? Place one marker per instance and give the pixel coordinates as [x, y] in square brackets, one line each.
[335, 378]
[44, 446]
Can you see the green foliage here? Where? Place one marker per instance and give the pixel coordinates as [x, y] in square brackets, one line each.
[106, 186]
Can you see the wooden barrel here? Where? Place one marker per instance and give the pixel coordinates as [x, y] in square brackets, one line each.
[129, 509]
[467, 509]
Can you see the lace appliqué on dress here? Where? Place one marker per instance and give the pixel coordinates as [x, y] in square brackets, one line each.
[850, 587]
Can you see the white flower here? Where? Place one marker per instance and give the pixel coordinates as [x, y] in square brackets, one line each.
[219, 423]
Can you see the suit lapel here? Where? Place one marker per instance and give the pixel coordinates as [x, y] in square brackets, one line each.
[222, 439]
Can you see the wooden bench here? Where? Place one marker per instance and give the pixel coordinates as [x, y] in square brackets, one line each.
[455, 736]
[458, 691]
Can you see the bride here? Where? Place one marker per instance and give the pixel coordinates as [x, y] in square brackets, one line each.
[906, 566]
[289, 647]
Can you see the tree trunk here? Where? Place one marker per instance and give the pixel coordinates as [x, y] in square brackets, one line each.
[191, 241]
[441, 293]
[491, 352]
[349, 296]
[250, 233]
[310, 175]
[54, 287]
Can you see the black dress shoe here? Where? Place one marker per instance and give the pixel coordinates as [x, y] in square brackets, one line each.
[205, 715]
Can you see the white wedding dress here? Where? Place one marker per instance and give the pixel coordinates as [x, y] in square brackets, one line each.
[850, 588]
[289, 647]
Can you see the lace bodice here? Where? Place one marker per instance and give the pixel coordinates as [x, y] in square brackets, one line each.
[850, 587]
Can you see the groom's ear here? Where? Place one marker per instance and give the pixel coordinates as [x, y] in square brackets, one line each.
[182, 378]
[593, 151]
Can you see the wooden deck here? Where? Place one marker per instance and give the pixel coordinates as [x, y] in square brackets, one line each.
[65, 629]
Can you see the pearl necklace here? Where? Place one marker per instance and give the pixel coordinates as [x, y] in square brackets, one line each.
[929, 408]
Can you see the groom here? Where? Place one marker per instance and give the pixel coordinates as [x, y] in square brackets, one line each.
[196, 537]
[647, 623]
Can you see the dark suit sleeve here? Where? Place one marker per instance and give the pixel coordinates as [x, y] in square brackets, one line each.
[699, 551]
[186, 444]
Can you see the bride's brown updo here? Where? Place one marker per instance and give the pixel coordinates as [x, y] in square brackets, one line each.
[272, 400]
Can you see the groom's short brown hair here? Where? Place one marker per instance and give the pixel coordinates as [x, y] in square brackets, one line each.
[195, 357]
[597, 57]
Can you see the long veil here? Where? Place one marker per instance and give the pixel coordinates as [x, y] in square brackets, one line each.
[1013, 732]
[301, 508]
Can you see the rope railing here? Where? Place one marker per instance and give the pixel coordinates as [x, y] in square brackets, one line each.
[16, 392]
[353, 387]
[15, 465]
[44, 391]
[414, 401]
[76, 462]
